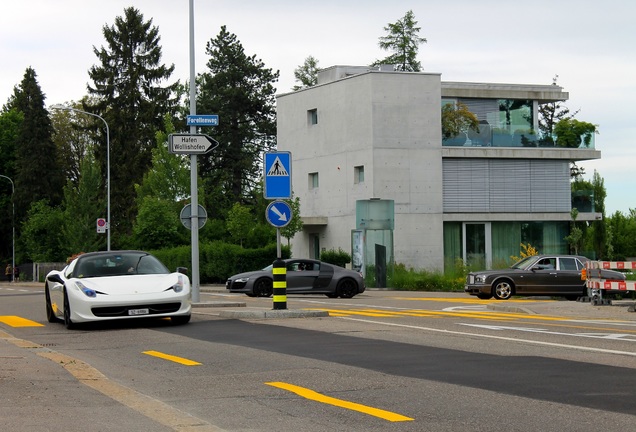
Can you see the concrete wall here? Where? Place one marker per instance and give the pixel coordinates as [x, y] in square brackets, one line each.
[386, 122]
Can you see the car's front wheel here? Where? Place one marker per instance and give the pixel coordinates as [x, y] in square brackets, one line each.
[263, 287]
[68, 323]
[50, 315]
[503, 289]
[347, 288]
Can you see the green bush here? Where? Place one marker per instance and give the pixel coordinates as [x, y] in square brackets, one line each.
[219, 260]
[337, 257]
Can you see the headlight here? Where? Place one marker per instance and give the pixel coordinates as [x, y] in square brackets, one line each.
[242, 280]
[178, 287]
[86, 290]
[480, 278]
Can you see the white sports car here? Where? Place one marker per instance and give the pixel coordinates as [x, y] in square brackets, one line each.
[99, 286]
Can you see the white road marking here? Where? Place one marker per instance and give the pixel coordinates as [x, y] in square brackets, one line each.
[510, 339]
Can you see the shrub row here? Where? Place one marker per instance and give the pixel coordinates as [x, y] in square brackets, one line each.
[219, 260]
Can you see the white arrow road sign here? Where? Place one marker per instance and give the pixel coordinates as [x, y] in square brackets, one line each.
[281, 216]
[190, 144]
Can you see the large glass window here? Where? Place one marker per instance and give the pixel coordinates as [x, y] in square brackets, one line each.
[505, 240]
[502, 123]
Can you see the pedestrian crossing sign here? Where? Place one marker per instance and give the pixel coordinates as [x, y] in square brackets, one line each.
[277, 170]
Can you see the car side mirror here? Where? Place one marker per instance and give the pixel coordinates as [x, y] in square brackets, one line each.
[182, 270]
[55, 278]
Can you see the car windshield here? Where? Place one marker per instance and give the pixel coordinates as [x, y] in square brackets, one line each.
[118, 264]
[524, 262]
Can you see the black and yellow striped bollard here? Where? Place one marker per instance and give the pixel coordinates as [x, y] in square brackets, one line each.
[279, 273]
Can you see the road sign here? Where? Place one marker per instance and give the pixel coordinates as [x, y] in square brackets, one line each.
[186, 216]
[190, 144]
[202, 120]
[278, 175]
[101, 225]
[278, 214]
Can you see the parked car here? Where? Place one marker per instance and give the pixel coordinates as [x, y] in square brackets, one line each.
[304, 276]
[551, 275]
[114, 285]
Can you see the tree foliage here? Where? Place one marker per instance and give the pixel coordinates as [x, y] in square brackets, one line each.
[306, 74]
[40, 234]
[34, 149]
[551, 113]
[83, 204]
[240, 89]
[296, 223]
[10, 121]
[129, 94]
[571, 133]
[403, 40]
[456, 119]
[239, 222]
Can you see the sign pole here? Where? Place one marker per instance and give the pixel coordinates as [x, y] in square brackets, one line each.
[193, 171]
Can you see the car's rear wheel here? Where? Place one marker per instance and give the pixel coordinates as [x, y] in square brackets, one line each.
[347, 288]
[50, 315]
[503, 289]
[263, 287]
[180, 320]
[68, 323]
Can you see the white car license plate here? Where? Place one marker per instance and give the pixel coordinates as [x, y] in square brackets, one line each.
[138, 311]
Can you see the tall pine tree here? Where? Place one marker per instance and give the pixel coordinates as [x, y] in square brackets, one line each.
[127, 88]
[38, 175]
[240, 89]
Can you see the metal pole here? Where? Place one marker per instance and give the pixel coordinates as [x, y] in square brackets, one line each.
[194, 218]
[12, 227]
[62, 107]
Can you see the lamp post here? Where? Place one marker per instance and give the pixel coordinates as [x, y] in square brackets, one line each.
[12, 227]
[67, 108]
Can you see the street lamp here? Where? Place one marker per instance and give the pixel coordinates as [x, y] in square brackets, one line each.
[12, 226]
[67, 108]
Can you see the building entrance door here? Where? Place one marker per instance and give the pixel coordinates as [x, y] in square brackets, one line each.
[477, 246]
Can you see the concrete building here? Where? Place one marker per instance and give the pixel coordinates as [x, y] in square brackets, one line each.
[370, 167]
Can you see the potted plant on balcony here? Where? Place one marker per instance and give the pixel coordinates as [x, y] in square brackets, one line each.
[456, 121]
[571, 133]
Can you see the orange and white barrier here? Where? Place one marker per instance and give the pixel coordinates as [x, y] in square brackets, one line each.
[596, 285]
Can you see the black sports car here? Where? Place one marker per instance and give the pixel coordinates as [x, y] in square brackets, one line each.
[552, 275]
[304, 276]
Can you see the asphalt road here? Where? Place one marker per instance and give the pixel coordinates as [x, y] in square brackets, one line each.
[382, 361]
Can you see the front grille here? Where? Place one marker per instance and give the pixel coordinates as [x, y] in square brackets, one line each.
[471, 279]
[154, 309]
[234, 285]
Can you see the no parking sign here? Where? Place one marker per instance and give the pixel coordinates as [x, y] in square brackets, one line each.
[101, 225]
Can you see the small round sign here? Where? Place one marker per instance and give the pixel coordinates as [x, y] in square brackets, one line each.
[279, 214]
[186, 216]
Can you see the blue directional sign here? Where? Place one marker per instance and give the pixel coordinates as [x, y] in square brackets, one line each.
[202, 120]
[278, 213]
[277, 172]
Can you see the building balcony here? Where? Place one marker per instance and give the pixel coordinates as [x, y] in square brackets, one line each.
[493, 137]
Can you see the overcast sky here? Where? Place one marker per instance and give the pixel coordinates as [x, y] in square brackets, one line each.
[590, 45]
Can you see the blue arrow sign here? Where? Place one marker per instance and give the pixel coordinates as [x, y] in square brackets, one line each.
[277, 172]
[202, 120]
[278, 214]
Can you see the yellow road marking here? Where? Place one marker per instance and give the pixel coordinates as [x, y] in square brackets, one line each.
[172, 358]
[467, 300]
[16, 321]
[315, 396]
